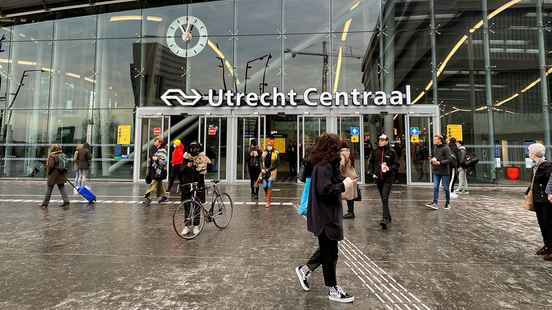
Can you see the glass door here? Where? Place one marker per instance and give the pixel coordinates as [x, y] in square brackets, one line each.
[212, 135]
[152, 127]
[249, 128]
[310, 128]
[419, 135]
[349, 129]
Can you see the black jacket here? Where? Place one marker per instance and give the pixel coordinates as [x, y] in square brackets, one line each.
[325, 214]
[442, 153]
[388, 155]
[542, 175]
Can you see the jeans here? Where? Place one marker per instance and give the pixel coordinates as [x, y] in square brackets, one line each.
[462, 179]
[81, 177]
[384, 189]
[48, 195]
[325, 255]
[436, 181]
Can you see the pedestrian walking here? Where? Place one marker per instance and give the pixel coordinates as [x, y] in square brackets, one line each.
[347, 170]
[84, 157]
[56, 169]
[325, 215]
[383, 167]
[269, 170]
[177, 160]
[254, 167]
[76, 166]
[441, 171]
[453, 166]
[541, 191]
[462, 169]
[157, 172]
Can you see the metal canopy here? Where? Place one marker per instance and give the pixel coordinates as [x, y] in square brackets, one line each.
[10, 8]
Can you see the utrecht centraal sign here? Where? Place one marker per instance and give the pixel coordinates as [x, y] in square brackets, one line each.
[310, 97]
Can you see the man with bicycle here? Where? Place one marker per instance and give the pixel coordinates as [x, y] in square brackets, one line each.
[195, 169]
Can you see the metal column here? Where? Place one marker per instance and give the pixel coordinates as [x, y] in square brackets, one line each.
[544, 78]
[488, 89]
[433, 52]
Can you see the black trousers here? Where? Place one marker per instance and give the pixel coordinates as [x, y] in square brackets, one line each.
[351, 206]
[544, 217]
[384, 188]
[253, 176]
[453, 178]
[325, 255]
[176, 173]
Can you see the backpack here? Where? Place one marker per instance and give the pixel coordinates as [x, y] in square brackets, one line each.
[470, 160]
[62, 163]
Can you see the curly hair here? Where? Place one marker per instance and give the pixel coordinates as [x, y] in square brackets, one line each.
[326, 149]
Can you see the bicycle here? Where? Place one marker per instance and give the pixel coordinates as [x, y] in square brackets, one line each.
[193, 213]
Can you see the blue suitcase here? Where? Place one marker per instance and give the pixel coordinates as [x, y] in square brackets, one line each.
[84, 192]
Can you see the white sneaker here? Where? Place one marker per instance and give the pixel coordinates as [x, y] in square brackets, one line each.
[303, 274]
[453, 195]
[336, 293]
[433, 206]
[195, 231]
[185, 231]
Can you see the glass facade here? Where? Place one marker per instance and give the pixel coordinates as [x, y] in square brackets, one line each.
[70, 79]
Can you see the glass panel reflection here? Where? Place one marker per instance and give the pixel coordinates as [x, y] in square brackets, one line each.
[259, 16]
[253, 52]
[125, 24]
[218, 16]
[307, 62]
[307, 16]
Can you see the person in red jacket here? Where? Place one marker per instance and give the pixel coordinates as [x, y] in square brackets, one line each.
[177, 160]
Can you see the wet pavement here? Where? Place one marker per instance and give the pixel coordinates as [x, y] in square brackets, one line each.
[120, 255]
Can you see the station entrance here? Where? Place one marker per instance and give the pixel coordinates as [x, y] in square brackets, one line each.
[226, 136]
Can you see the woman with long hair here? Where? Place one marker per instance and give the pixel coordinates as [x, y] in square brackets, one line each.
[325, 215]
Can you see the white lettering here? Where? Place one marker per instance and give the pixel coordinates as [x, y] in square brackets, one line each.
[263, 100]
[380, 98]
[291, 96]
[239, 97]
[228, 97]
[212, 101]
[354, 94]
[341, 97]
[251, 99]
[365, 97]
[278, 97]
[326, 99]
[408, 95]
[306, 97]
[396, 98]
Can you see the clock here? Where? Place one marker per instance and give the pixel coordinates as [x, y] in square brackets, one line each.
[187, 36]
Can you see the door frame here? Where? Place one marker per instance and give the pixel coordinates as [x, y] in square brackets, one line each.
[436, 128]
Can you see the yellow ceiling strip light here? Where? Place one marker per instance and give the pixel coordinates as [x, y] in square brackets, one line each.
[463, 39]
[73, 75]
[25, 62]
[215, 49]
[420, 96]
[346, 29]
[428, 87]
[355, 5]
[507, 99]
[481, 108]
[528, 87]
[154, 18]
[125, 18]
[338, 69]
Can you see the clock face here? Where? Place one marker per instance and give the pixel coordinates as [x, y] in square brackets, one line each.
[187, 36]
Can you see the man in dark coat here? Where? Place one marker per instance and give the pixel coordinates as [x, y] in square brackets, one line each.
[56, 176]
[441, 171]
[383, 167]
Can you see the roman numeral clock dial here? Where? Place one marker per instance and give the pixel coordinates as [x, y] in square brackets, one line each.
[187, 36]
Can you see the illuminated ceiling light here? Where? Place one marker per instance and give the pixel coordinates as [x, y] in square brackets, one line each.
[215, 49]
[481, 108]
[355, 5]
[429, 85]
[5, 61]
[90, 80]
[25, 62]
[419, 97]
[74, 75]
[125, 18]
[450, 54]
[346, 29]
[507, 99]
[464, 110]
[338, 69]
[528, 87]
[231, 70]
[46, 69]
[154, 18]
[549, 71]
[477, 26]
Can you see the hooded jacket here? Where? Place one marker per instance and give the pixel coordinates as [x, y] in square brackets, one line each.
[178, 155]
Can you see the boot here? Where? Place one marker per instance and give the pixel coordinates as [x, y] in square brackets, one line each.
[268, 198]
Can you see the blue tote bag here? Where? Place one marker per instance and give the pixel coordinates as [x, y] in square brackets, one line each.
[304, 203]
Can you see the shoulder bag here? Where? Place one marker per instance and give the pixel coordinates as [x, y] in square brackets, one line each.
[529, 204]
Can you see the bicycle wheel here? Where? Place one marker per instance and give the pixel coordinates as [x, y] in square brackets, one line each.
[189, 219]
[222, 209]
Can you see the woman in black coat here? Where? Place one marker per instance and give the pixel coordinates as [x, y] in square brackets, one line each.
[325, 215]
[543, 207]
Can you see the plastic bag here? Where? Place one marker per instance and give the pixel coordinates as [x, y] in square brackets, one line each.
[304, 203]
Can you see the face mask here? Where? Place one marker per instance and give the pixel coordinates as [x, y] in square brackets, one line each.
[269, 148]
